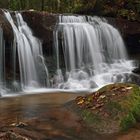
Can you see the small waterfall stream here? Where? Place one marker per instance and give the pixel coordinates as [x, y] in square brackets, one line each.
[2, 63]
[33, 72]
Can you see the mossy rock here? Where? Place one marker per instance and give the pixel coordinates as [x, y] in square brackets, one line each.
[111, 109]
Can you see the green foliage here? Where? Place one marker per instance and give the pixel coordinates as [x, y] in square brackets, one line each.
[133, 109]
[128, 14]
[129, 9]
[136, 111]
[62, 6]
[14, 4]
[25, 4]
[135, 103]
[4, 3]
[128, 122]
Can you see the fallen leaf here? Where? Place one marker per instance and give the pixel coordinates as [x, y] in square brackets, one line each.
[79, 98]
[81, 101]
[98, 105]
[124, 89]
[129, 88]
[102, 96]
[13, 124]
[20, 124]
[93, 108]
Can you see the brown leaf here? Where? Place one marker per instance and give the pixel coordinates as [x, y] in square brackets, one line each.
[128, 88]
[20, 124]
[81, 101]
[102, 97]
[93, 108]
[98, 105]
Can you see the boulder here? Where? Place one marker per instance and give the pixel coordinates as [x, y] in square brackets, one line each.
[112, 109]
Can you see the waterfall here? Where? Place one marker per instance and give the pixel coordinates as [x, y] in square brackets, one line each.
[2, 63]
[33, 71]
[94, 53]
[90, 53]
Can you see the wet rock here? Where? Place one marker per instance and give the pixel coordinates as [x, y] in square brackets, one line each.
[93, 84]
[43, 25]
[7, 29]
[111, 109]
[137, 70]
[130, 31]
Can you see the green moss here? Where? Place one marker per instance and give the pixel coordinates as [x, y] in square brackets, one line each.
[132, 107]
[89, 117]
[114, 108]
[114, 105]
[135, 103]
[128, 122]
[128, 106]
[136, 111]
[120, 111]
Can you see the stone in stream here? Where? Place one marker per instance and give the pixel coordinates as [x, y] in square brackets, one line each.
[112, 109]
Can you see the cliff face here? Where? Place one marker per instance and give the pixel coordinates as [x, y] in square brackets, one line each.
[43, 25]
[7, 29]
[130, 32]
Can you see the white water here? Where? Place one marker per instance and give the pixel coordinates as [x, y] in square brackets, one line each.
[94, 53]
[2, 63]
[33, 72]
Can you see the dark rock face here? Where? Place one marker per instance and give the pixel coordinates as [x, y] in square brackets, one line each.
[8, 37]
[7, 29]
[130, 32]
[43, 25]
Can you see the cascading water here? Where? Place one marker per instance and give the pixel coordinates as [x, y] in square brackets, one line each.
[33, 72]
[90, 53]
[94, 53]
[2, 63]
